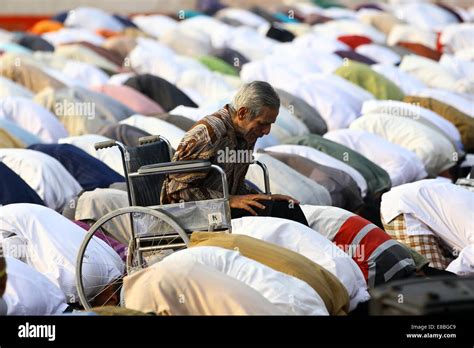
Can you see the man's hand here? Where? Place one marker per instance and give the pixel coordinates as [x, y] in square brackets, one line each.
[284, 198]
[246, 202]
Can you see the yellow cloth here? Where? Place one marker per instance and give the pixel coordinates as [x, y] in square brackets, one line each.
[464, 123]
[330, 289]
[112, 311]
[9, 141]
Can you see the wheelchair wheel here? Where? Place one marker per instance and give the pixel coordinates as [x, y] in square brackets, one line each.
[103, 262]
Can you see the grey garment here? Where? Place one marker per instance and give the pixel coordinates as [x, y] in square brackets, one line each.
[69, 210]
[179, 121]
[92, 205]
[82, 111]
[122, 186]
[124, 133]
[343, 189]
[305, 112]
[3, 307]
[419, 260]
[286, 180]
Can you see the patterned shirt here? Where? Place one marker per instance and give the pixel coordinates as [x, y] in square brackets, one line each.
[213, 138]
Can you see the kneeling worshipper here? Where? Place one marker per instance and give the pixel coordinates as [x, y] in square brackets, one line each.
[291, 289]
[201, 290]
[305, 241]
[240, 256]
[44, 174]
[25, 291]
[380, 258]
[49, 242]
[89, 172]
[432, 216]
[227, 139]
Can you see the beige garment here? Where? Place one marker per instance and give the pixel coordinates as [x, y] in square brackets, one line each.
[92, 205]
[9, 141]
[121, 45]
[382, 21]
[191, 288]
[78, 116]
[135, 32]
[113, 311]
[283, 260]
[86, 55]
[27, 75]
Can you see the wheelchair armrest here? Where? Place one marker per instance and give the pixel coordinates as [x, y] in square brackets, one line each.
[175, 167]
[265, 176]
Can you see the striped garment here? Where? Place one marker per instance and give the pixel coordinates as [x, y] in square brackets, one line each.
[213, 138]
[379, 257]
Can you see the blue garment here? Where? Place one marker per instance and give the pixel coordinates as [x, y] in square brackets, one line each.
[14, 190]
[282, 17]
[89, 172]
[26, 137]
[125, 21]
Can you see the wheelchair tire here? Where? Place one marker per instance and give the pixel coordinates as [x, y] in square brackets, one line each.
[130, 263]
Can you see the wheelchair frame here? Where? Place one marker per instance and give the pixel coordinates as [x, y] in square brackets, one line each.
[158, 212]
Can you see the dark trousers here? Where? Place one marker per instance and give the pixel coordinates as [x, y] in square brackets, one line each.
[279, 209]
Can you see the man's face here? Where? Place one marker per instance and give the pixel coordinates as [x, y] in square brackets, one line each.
[257, 127]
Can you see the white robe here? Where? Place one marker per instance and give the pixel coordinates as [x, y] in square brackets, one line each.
[435, 150]
[29, 292]
[44, 174]
[50, 244]
[291, 295]
[33, 118]
[446, 209]
[402, 165]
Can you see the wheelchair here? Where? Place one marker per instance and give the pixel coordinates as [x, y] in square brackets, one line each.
[155, 230]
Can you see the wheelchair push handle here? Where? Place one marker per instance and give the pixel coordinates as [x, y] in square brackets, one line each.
[105, 144]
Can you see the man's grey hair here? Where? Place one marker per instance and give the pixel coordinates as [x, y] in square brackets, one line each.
[254, 96]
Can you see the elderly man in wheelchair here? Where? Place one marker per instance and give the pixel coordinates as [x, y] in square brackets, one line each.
[201, 189]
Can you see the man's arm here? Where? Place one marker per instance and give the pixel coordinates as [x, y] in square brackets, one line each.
[196, 145]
